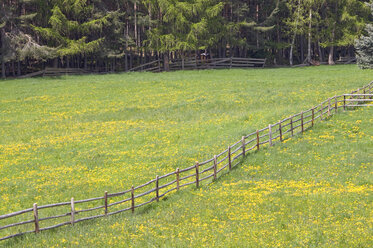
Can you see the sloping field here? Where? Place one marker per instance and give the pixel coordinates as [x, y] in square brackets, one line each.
[315, 190]
[80, 136]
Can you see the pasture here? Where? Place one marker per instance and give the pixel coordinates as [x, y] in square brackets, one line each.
[80, 136]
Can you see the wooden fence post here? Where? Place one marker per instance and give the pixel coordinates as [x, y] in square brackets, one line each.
[270, 134]
[291, 126]
[197, 174]
[257, 139]
[344, 102]
[72, 220]
[322, 109]
[157, 188]
[313, 116]
[229, 158]
[177, 178]
[215, 166]
[328, 107]
[243, 146]
[302, 122]
[133, 199]
[105, 198]
[36, 217]
[280, 129]
[336, 103]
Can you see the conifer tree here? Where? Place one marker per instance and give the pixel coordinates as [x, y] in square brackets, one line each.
[122, 34]
[16, 42]
[185, 26]
[343, 21]
[75, 28]
[364, 47]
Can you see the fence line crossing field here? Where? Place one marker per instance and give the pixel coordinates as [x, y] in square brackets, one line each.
[81, 136]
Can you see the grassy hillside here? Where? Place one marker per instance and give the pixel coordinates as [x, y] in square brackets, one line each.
[314, 190]
[80, 136]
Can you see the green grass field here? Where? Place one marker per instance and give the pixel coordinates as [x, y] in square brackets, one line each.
[79, 136]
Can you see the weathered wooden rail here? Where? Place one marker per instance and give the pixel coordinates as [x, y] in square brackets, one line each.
[56, 72]
[138, 196]
[158, 66]
[200, 64]
[346, 60]
[154, 66]
[216, 63]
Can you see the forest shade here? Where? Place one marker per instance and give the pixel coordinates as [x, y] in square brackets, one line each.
[103, 35]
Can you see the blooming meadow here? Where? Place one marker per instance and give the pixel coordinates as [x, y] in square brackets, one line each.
[80, 136]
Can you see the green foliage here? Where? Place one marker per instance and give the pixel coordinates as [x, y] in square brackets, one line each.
[364, 47]
[16, 43]
[72, 37]
[140, 30]
[188, 25]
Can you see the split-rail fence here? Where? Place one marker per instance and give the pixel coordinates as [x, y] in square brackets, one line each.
[108, 204]
[201, 64]
[158, 66]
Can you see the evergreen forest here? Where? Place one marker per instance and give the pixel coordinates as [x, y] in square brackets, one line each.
[116, 35]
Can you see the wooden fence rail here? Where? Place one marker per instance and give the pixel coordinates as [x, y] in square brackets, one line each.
[195, 174]
[158, 66]
[198, 64]
[216, 63]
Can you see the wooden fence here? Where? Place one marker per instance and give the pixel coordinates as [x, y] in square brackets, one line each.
[198, 64]
[154, 66]
[158, 66]
[56, 72]
[75, 211]
[216, 63]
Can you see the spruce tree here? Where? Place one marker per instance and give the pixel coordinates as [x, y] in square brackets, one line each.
[75, 29]
[364, 47]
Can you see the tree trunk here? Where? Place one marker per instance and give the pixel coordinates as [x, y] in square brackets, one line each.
[126, 48]
[321, 56]
[331, 49]
[131, 59]
[294, 36]
[331, 56]
[257, 21]
[301, 48]
[126, 62]
[166, 61]
[135, 21]
[18, 68]
[182, 61]
[2, 33]
[85, 62]
[308, 58]
[55, 62]
[13, 69]
[150, 16]
[3, 76]
[291, 51]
